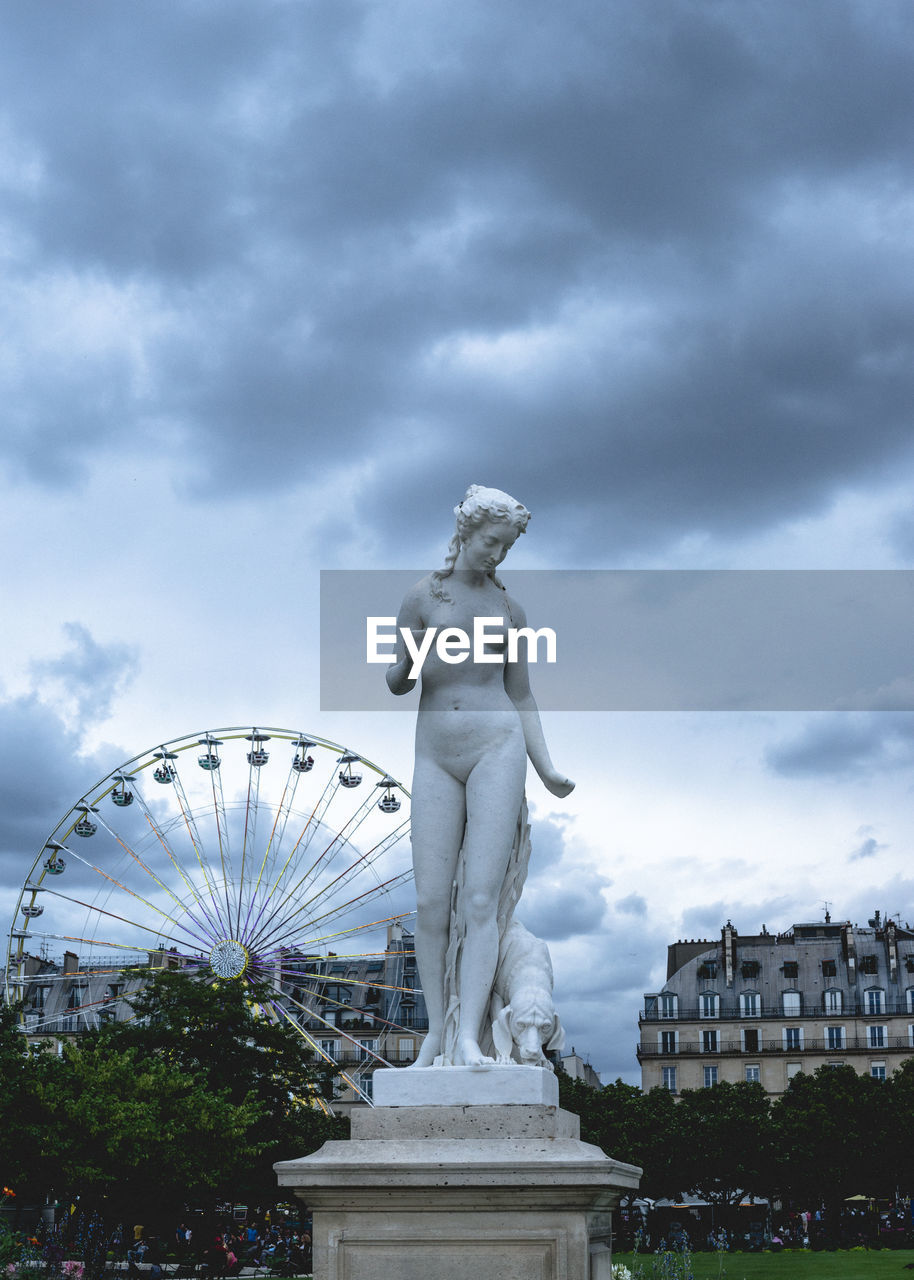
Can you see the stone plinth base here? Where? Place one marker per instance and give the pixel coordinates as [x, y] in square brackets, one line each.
[459, 1193]
[464, 1086]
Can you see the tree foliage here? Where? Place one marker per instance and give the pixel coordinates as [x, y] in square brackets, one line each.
[832, 1134]
[189, 1103]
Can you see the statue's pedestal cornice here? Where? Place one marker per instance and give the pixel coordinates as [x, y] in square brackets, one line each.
[454, 1190]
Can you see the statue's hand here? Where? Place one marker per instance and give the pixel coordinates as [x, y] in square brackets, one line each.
[557, 784]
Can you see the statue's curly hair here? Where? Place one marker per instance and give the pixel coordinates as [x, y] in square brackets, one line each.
[479, 504]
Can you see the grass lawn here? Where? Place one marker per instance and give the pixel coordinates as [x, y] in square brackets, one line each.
[843, 1265]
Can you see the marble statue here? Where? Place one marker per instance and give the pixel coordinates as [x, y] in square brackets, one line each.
[477, 724]
[523, 1017]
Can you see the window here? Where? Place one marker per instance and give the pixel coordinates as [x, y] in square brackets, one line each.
[329, 1047]
[707, 969]
[750, 1040]
[669, 1005]
[911, 1035]
[75, 998]
[791, 968]
[875, 1037]
[834, 1037]
[710, 1077]
[709, 1041]
[753, 1073]
[833, 1000]
[869, 964]
[750, 1004]
[365, 1081]
[793, 1037]
[790, 1003]
[908, 999]
[829, 968]
[668, 1075]
[669, 1041]
[367, 1049]
[407, 1047]
[875, 1000]
[750, 968]
[794, 1069]
[709, 1005]
[877, 1070]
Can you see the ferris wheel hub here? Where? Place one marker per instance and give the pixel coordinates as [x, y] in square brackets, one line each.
[229, 958]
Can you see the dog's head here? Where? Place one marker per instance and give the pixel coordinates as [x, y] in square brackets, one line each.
[525, 1027]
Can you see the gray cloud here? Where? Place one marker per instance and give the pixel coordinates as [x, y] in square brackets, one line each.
[44, 774]
[868, 848]
[632, 905]
[672, 236]
[553, 909]
[88, 677]
[846, 745]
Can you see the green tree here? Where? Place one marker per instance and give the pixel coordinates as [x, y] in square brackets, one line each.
[211, 1032]
[131, 1132]
[901, 1154]
[833, 1133]
[24, 1142]
[640, 1129]
[725, 1142]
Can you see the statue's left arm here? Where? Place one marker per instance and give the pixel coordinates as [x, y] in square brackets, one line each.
[517, 686]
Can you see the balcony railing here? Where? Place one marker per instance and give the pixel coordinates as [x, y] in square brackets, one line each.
[366, 1061]
[694, 1048]
[732, 1012]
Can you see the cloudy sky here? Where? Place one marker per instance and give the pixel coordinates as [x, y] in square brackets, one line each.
[280, 278]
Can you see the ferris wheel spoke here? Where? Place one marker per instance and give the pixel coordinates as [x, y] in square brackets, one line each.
[138, 896]
[257, 758]
[141, 947]
[276, 835]
[361, 900]
[330, 1060]
[378, 1023]
[162, 838]
[290, 894]
[190, 822]
[312, 824]
[222, 836]
[304, 941]
[340, 841]
[94, 906]
[112, 915]
[329, 891]
[365, 862]
[339, 1004]
[330, 978]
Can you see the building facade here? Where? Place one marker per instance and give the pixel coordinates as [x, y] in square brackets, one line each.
[357, 1012]
[766, 1006]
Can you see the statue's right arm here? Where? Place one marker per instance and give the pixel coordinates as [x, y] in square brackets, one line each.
[411, 616]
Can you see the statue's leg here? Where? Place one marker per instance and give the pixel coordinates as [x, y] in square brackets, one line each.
[437, 820]
[494, 793]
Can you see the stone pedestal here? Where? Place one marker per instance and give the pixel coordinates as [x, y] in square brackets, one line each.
[459, 1190]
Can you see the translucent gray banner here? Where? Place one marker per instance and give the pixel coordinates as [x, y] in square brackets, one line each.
[659, 640]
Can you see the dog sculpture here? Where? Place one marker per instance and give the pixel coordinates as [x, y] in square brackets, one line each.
[523, 1014]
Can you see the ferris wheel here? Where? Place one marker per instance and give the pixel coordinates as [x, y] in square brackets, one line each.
[238, 854]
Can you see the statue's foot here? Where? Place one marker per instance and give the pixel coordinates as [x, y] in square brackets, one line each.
[471, 1055]
[431, 1047]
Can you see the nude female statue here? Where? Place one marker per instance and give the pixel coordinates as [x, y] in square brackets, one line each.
[476, 725]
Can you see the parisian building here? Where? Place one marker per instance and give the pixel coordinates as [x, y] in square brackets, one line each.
[766, 1006]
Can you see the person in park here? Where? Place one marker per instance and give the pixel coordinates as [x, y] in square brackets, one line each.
[477, 724]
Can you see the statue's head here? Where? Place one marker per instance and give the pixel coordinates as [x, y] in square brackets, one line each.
[481, 504]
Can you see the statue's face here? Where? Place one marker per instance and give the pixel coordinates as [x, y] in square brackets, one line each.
[487, 545]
